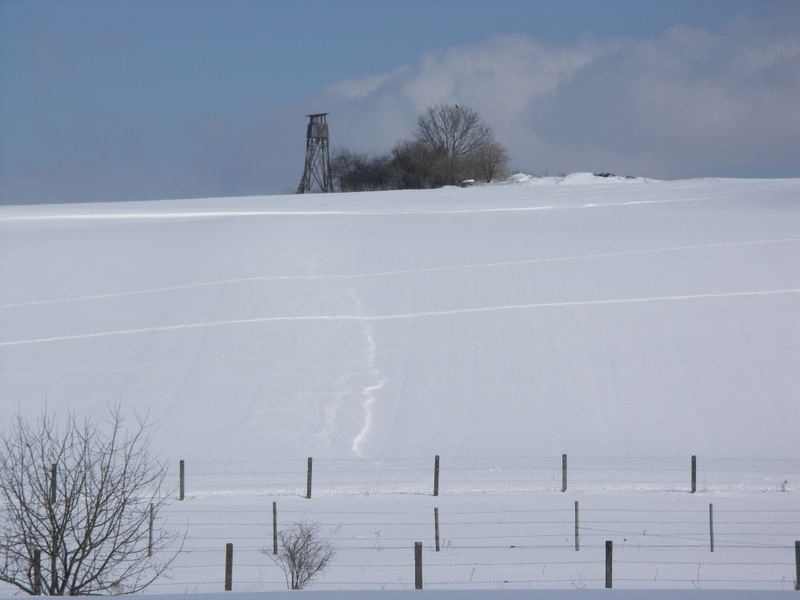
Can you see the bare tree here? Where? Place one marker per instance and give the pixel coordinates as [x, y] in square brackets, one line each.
[414, 166]
[302, 554]
[489, 161]
[451, 144]
[77, 506]
[355, 172]
[453, 133]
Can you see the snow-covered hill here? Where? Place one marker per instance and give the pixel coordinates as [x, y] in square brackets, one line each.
[645, 318]
[627, 323]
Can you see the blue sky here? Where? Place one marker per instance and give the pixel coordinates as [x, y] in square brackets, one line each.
[145, 99]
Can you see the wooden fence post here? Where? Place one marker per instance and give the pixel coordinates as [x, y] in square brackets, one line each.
[181, 480]
[563, 472]
[609, 553]
[53, 482]
[797, 565]
[417, 565]
[274, 527]
[436, 475]
[711, 526]
[436, 527]
[37, 572]
[150, 532]
[228, 567]
[54, 540]
[694, 473]
[577, 543]
[308, 478]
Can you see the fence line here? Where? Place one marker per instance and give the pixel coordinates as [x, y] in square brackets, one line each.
[495, 582]
[496, 512]
[516, 538]
[416, 566]
[372, 548]
[762, 570]
[484, 474]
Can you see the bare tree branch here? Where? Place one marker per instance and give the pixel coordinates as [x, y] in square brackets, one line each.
[93, 532]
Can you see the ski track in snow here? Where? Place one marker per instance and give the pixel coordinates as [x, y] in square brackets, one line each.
[369, 392]
[399, 316]
[320, 213]
[375, 274]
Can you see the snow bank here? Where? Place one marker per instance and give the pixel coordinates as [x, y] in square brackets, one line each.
[574, 179]
[523, 178]
[520, 178]
[595, 178]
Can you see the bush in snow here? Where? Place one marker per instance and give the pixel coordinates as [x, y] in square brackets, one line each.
[302, 554]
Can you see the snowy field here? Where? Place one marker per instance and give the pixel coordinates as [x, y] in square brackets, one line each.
[508, 595]
[627, 323]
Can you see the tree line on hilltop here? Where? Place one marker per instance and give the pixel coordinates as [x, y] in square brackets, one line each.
[451, 144]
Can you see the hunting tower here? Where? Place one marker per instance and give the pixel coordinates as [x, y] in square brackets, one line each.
[317, 171]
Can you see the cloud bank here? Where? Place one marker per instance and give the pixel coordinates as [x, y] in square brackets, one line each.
[690, 102]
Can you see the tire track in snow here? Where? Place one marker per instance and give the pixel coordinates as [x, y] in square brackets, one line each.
[400, 316]
[369, 391]
[375, 274]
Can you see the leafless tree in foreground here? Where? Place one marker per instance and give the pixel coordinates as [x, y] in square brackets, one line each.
[78, 500]
[302, 553]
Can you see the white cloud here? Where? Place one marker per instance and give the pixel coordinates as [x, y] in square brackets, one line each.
[502, 75]
[687, 102]
[364, 86]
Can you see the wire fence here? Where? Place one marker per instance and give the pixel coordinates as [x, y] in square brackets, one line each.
[371, 512]
[460, 475]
